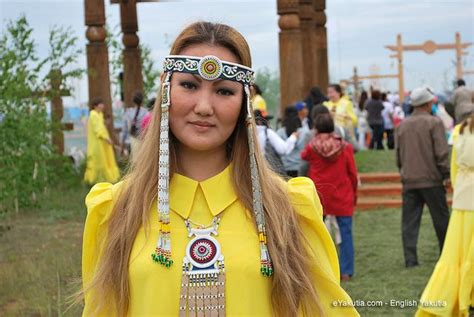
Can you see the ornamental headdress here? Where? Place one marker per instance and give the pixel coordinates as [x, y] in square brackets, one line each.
[209, 68]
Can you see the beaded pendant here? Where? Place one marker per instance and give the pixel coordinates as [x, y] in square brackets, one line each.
[203, 276]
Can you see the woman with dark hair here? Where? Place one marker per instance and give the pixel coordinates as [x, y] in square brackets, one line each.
[387, 115]
[315, 97]
[333, 171]
[374, 108]
[339, 131]
[362, 124]
[132, 121]
[101, 165]
[341, 108]
[201, 225]
[291, 124]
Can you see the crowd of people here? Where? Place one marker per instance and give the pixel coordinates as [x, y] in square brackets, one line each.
[317, 138]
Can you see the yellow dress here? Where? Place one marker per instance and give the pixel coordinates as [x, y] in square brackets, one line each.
[344, 112]
[450, 290]
[101, 164]
[155, 289]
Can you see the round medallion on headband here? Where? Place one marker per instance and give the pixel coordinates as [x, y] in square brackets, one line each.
[210, 67]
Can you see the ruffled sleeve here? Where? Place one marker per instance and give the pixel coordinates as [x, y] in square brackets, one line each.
[304, 198]
[99, 204]
[454, 165]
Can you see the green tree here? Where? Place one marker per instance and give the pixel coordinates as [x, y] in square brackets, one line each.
[269, 83]
[28, 163]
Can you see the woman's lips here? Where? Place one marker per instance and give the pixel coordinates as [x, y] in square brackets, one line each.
[202, 125]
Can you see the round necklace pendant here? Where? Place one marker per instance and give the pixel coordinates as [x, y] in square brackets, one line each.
[203, 251]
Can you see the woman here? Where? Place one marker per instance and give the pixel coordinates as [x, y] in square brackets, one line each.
[101, 165]
[315, 97]
[387, 115]
[291, 124]
[333, 171]
[217, 199]
[341, 108]
[374, 107]
[271, 144]
[132, 122]
[362, 124]
[258, 102]
[451, 286]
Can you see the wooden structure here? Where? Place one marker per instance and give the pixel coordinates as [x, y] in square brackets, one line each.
[356, 80]
[302, 42]
[303, 49]
[98, 58]
[57, 110]
[429, 47]
[55, 94]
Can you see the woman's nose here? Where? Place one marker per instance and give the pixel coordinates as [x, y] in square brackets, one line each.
[204, 104]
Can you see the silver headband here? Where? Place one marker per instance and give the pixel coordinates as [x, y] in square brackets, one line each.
[209, 67]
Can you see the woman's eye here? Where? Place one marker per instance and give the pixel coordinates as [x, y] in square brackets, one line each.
[225, 92]
[188, 85]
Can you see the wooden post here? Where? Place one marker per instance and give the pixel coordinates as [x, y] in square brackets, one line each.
[355, 81]
[307, 45]
[320, 43]
[459, 54]
[98, 59]
[132, 72]
[399, 56]
[291, 63]
[57, 110]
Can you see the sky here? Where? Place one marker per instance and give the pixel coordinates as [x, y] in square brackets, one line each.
[358, 30]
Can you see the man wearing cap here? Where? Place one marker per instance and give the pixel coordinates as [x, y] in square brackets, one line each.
[303, 112]
[422, 158]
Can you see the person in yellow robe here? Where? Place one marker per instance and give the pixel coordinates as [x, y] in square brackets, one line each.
[341, 108]
[258, 102]
[450, 290]
[101, 165]
[201, 226]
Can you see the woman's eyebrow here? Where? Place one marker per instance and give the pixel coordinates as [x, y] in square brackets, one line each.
[197, 77]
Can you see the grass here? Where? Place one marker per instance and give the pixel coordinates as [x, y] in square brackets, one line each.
[40, 254]
[380, 273]
[376, 161]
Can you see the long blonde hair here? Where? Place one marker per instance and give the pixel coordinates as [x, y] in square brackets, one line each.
[292, 283]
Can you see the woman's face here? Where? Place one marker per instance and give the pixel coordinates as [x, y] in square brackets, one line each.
[100, 107]
[203, 114]
[333, 95]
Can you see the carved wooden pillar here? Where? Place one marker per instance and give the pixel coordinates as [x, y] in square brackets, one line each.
[98, 59]
[307, 47]
[57, 110]
[132, 72]
[320, 43]
[291, 57]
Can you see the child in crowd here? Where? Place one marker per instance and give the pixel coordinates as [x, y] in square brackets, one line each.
[333, 171]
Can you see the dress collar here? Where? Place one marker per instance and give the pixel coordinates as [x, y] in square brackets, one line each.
[218, 192]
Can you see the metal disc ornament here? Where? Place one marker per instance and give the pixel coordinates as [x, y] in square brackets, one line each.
[210, 67]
